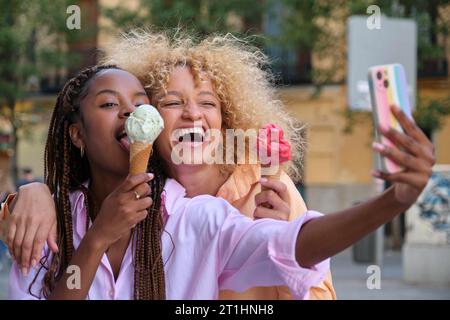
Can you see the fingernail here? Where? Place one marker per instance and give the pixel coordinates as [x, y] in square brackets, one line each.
[395, 108]
[25, 271]
[383, 128]
[376, 174]
[150, 175]
[378, 146]
[263, 180]
[33, 263]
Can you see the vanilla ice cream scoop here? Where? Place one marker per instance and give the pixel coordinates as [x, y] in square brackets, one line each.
[144, 124]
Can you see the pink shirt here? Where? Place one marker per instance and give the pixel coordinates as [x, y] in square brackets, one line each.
[211, 247]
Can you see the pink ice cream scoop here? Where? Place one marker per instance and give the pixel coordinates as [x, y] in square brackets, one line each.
[273, 150]
[270, 142]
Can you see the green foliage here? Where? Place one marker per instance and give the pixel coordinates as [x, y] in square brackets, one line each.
[33, 43]
[201, 17]
[300, 22]
[303, 27]
[352, 118]
[430, 113]
[22, 26]
[306, 26]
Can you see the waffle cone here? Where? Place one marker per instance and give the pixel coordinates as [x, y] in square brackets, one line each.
[275, 176]
[139, 155]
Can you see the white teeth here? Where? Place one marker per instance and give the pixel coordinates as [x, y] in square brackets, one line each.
[198, 130]
[185, 131]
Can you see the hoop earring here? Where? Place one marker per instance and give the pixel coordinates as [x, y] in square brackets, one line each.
[82, 151]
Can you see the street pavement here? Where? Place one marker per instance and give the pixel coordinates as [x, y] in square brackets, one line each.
[349, 279]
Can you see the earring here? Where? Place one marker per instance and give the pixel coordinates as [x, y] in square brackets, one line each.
[82, 151]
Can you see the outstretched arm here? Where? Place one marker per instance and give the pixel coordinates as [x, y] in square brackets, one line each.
[325, 236]
[328, 235]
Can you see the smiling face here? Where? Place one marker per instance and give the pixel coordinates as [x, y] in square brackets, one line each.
[111, 96]
[189, 110]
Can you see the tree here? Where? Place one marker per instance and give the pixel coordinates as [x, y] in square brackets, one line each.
[309, 26]
[430, 114]
[33, 43]
[202, 17]
[431, 22]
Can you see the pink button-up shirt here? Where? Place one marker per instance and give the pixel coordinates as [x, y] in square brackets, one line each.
[207, 246]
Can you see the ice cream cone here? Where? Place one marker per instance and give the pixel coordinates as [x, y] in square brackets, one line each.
[142, 128]
[140, 153]
[275, 176]
[273, 147]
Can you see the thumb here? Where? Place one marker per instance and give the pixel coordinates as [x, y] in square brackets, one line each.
[51, 240]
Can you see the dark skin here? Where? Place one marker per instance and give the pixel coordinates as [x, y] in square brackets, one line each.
[112, 95]
[106, 102]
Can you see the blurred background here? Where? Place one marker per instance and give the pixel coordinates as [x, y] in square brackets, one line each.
[320, 52]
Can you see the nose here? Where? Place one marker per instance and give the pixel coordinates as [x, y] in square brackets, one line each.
[126, 110]
[192, 112]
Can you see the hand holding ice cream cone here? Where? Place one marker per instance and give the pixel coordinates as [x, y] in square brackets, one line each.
[142, 127]
[273, 151]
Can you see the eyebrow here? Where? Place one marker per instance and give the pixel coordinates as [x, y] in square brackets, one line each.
[175, 93]
[209, 93]
[109, 91]
[178, 94]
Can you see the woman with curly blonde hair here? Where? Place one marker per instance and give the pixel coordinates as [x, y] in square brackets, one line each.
[221, 82]
[247, 97]
[236, 69]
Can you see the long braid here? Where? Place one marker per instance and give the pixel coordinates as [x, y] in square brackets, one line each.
[148, 255]
[65, 171]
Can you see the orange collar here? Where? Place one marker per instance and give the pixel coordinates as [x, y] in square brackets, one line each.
[240, 182]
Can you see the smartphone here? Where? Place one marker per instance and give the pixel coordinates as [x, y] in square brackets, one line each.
[388, 86]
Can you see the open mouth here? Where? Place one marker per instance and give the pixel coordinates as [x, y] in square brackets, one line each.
[192, 136]
[122, 139]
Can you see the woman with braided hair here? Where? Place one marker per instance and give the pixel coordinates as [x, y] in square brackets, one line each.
[86, 170]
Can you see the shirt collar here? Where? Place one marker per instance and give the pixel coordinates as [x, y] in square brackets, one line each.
[172, 193]
[240, 182]
[79, 213]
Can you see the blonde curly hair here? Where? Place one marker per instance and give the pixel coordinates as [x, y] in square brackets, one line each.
[238, 72]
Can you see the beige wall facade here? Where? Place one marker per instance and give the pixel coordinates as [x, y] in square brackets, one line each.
[335, 157]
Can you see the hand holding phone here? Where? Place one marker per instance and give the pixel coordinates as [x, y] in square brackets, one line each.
[405, 156]
[388, 87]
